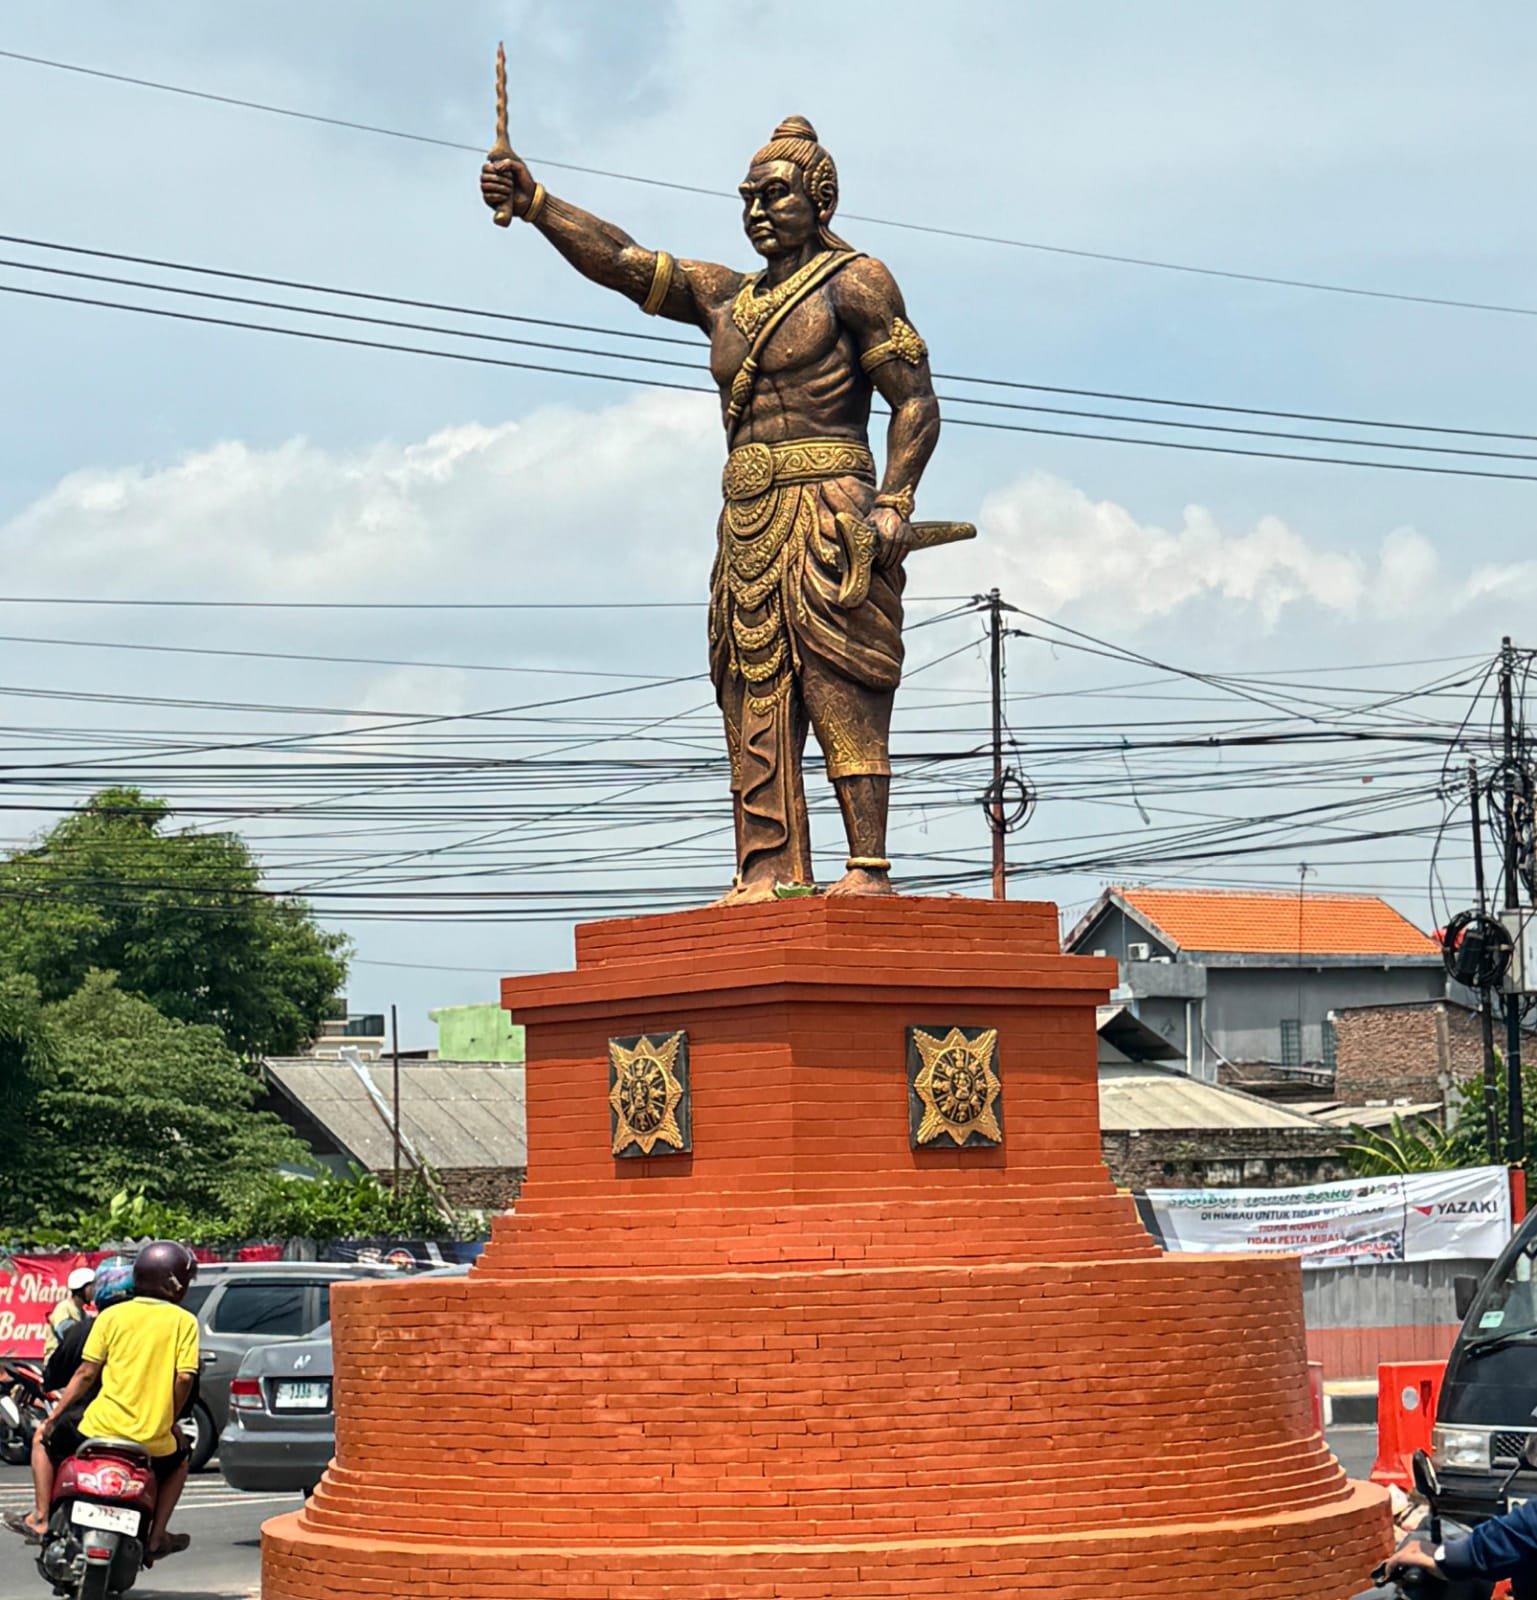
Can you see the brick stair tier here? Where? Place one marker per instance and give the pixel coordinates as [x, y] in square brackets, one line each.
[807, 1362]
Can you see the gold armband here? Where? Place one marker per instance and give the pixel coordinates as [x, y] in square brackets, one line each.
[536, 205]
[902, 500]
[661, 282]
[903, 345]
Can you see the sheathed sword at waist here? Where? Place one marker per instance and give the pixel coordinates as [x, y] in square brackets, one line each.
[861, 542]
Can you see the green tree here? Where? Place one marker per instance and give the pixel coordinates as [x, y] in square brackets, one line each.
[1420, 1147]
[180, 916]
[135, 1103]
[26, 1058]
[327, 1207]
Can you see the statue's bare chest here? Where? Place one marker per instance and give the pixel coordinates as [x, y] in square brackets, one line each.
[807, 337]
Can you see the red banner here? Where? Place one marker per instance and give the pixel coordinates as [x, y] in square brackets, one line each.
[30, 1287]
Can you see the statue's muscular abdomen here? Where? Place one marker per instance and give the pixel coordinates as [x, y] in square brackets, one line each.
[810, 385]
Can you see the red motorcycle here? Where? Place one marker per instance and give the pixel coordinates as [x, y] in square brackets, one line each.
[99, 1520]
[23, 1405]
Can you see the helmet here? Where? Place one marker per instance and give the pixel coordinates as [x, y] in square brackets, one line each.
[164, 1270]
[114, 1281]
[81, 1279]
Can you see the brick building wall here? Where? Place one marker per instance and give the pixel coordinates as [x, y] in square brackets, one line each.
[1260, 1158]
[476, 1188]
[1388, 1053]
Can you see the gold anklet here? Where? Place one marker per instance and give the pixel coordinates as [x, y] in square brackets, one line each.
[868, 864]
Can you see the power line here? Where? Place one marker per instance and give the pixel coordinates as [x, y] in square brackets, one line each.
[449, 605]
[694, 366]
[345, 294]
[1316, 286]
[661, 383]
[309, 287]
[354, 661]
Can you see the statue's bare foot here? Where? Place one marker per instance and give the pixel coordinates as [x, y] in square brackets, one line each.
[862, 881]
[753, 892]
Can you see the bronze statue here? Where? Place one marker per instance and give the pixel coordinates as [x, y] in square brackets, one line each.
[806, 595]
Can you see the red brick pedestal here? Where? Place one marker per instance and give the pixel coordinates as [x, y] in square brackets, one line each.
[807, 1360]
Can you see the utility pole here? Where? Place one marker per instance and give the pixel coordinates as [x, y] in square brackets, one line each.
[1485, 995]
[1515, 1125]
[995, 811]
[395, 1091]
[1303, 869]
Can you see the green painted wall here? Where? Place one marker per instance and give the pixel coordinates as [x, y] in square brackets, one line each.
[477, 1033]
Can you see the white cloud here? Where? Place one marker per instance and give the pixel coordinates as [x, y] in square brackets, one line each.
[550, 506]
[620, 502]
[1055, 550]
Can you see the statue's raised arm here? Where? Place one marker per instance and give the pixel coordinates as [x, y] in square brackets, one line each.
[689, 291]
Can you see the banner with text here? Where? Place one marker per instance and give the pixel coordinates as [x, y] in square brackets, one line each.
[1420, 1216]
[30, 1287]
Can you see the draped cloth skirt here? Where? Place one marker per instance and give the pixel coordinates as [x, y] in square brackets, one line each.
[788, 648]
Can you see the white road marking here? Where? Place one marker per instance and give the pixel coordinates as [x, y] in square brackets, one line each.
[11, 1498]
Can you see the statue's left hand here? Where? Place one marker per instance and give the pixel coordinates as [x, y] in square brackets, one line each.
[895, 534]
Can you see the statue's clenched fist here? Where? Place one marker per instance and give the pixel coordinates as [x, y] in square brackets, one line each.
[505, 181]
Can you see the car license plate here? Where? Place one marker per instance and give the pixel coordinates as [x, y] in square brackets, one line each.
[294, 1396]
[110, 1519]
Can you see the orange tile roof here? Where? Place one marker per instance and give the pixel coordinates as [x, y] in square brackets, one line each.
[1238, 922]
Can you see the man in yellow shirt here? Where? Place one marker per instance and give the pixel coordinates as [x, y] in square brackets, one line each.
[145, 1352]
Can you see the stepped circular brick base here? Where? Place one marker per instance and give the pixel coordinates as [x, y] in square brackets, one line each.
[807, 1360]
[1250, 1559]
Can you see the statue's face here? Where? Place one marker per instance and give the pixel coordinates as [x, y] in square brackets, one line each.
[777, 214]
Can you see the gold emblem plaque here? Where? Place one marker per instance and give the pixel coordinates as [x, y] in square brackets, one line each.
[953, 1091]
[648, 1098]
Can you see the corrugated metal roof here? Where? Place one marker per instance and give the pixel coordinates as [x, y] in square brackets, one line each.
[1236, 922]
[1338, 1116]
[457, 1114]
[1139, 1099]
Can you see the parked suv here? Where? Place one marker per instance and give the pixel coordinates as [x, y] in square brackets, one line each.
[245, 1305]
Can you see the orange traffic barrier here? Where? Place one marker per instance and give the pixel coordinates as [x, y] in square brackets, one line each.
[1407, 1393]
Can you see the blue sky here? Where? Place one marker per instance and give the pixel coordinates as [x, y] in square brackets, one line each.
[1379, 145]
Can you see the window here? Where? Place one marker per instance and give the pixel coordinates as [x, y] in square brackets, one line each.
[196, 1295]
[274, 1309]
[1291, 1043]
[1331, 1048]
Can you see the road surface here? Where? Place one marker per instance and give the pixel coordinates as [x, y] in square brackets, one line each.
[224, 1562]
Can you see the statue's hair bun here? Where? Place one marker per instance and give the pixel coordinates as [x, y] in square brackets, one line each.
[796, 128]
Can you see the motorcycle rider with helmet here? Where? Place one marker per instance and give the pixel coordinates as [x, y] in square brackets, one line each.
[113, 1283]
[71, 1309]
[144, 1351]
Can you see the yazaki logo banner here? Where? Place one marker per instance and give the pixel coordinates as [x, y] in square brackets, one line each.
[1423, 1216]
[30, 1287]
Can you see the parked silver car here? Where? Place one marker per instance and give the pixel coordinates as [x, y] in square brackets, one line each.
[243, 1306]
[281, 1432]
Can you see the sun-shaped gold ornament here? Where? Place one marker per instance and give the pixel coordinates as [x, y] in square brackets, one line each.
[648, 1083]
[956, 1084]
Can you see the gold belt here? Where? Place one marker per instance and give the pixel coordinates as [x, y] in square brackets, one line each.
[751, 469]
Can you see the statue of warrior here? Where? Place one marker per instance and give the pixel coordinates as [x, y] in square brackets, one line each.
[806, 596]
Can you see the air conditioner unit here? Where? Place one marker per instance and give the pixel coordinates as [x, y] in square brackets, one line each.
[1138, 952]
[1162, 961]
